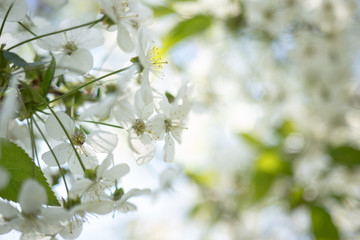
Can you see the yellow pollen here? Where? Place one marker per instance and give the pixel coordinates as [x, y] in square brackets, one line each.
[153, 56]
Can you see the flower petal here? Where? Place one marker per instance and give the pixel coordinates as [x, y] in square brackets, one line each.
[104, 165]
[169, 149]
[116, 172]
[102, 141]
[156, 127]
[32, 196]
[18, 10]
[79, 187]
[124, 113]
[55, 130]
[79, 62]
[72, 230]
[124, 39]
[89, 161]
[62, 152]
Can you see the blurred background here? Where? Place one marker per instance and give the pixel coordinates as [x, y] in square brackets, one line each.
[272, 149]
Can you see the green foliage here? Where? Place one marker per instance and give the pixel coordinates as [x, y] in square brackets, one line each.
[345, 155]
[252, 141]
[48, 77]
[269, 167]
[20, 167]
[14, 58]
[205, 178]
[322, 225]
[187, 28]
[160, 11]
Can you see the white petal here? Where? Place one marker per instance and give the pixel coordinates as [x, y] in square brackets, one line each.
[92, 39]
[18, 10]
[124, 39]
[169, 149]
[133, 193]
[79, 187]
[72, 230]
[7, 210]
[146, 91]
[32, 196]
[5, 228]
[176, 134]
[79, 62]
[55, 130]
[143, 110]
[55, 214]
[102, 141]
[116, 172]
[156, 127]
[180, 111]
[101, 207]
[124, 113]
[89, 161]
[126, 207]
[143, 147]
[62, 152]
[33, 235]
[104, 165]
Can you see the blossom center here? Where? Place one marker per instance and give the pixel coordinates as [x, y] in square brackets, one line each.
[70, 47]
[139, 127]
[78, 138]
[156, 62]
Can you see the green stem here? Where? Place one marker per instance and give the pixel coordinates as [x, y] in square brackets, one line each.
[52, 152]
[100, 123]
[61, 124]
[56, 32]
[6, 16]
[32, 147]
[26, 28]
[89, 83]
[33, 137]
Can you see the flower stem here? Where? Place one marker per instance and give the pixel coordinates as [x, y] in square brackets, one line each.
[56, 32]
[26, 28]
[101, 123]
[89, 83]
[61, 124]
[6, 16]
[52, 152]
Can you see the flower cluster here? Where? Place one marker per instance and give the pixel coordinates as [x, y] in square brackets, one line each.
[55, 108]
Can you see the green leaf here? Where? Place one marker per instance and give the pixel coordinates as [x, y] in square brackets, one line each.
[160, 11]
[20, 167]
[252, 141]
[262, 184]
[187, 28]
[14, 58]
[345, 155]
[48, 77]
[322, 225]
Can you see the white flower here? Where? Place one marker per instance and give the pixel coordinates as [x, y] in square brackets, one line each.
[71, 48]
[139, 125]
[18, 10]
[174, 116]
[92, 187]
[121, 12]
[121, 204]
[149, 54]
[34, 219]
[97, 141]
